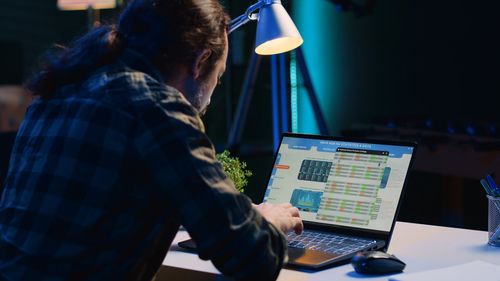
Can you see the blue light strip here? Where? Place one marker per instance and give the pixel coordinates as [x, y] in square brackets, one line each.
[283, 95]
[293, 93]
[275, 103]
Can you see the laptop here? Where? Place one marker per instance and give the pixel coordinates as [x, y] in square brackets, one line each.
[348, 192]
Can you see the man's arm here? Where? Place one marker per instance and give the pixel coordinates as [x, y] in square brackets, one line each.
[223, 223]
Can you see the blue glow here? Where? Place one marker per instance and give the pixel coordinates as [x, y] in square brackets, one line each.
[428, 123]
[294, 92]
[318, 23]
[283, 95]
[470, 130]
[275, 103]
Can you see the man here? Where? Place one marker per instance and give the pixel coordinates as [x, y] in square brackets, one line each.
[112, 157]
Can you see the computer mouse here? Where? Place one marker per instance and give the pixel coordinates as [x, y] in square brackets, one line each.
[376, 262]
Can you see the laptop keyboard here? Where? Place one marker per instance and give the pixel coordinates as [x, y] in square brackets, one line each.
[329, 243]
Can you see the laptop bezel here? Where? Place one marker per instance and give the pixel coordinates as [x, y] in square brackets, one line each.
[347, 230]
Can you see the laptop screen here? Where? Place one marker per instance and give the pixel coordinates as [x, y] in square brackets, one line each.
[352, 184]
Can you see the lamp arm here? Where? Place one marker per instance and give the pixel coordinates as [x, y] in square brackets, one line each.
[247, 16]
[237, 22]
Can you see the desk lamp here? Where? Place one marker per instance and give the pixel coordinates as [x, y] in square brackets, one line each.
[92, 7]
[276, 32]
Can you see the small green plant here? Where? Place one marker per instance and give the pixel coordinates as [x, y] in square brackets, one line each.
[235, 169]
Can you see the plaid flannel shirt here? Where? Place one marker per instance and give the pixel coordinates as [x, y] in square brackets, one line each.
[102, 175]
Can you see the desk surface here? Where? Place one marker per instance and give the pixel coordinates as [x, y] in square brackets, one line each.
[421, 247]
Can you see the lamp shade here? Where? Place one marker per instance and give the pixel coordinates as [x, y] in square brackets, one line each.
[276, 32]
[85, 4]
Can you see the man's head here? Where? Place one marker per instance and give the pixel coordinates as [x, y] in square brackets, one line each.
[198, 80]
[185, 39]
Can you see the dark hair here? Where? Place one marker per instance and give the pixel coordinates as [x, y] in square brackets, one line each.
[167, 32]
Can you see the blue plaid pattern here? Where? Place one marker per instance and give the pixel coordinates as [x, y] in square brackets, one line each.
[102, 175]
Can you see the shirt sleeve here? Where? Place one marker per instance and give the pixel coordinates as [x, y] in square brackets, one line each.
[222, 222]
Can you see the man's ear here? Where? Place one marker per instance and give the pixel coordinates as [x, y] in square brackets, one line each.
[200, 64]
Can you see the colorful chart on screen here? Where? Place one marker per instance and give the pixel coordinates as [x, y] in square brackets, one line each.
[341, 183]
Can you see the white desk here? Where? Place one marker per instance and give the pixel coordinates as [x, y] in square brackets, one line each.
[421, 247]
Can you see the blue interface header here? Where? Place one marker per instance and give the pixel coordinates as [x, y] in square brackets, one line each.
[395, 151]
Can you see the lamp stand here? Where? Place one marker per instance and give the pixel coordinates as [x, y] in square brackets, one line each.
[279, 97]
[93, 17]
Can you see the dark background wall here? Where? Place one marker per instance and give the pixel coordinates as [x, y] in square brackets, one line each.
[407, 58]
[27, 29]
[419, 60]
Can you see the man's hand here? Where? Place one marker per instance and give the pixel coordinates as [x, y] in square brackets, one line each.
[284, 216]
